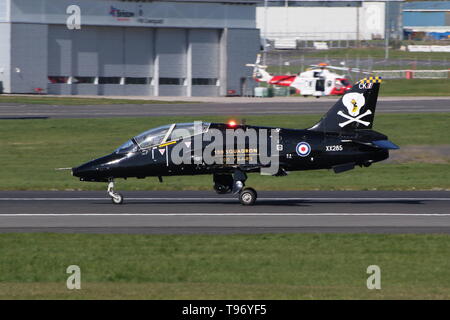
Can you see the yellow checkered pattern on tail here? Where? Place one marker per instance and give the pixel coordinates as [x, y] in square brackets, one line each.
[370, 80]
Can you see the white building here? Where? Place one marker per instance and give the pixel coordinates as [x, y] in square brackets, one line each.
[176, 47]
[329, 20]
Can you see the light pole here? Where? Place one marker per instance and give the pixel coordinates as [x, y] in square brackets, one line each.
[387, 28]
[264, 42]
[286, 5]
[265, 18]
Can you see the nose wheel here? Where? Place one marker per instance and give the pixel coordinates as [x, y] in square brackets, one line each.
[248, 196]
[116, 197]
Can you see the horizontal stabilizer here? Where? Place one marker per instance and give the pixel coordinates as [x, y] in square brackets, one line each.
[385, 144]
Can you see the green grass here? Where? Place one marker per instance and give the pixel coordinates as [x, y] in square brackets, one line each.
[32, 149]
[377, 53]
[79, 101]
[412, 67]
[293, 69]
[416, 87]
[268, 266]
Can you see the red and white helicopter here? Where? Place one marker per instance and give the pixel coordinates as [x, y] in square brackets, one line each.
[317, 81]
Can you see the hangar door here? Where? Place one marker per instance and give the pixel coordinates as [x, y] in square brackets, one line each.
[100, 60]
[171, 47]
[205, 46]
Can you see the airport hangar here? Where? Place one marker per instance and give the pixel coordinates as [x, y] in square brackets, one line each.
[142, 48]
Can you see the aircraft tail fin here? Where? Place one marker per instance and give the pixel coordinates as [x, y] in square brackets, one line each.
[259, 70]
[354, 110]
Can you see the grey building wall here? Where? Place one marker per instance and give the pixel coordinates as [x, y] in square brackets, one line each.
[171, 48]
[173, 14]
[85, 52]
[242, 46]
[172, 90]
[138, 90]
[74, 54]
[60, 58]
[187, 42]
[110, 47]
[139, 59]
[205, 91]
[139, 53]
[205, 53]
[60, 50]
[4, 11]
[5, 57]
[29, 57]
[60, 88]
[205, 60]
[100, 52]
[215, 56]
[85, 89]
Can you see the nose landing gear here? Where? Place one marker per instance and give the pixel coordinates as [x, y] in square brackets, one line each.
[247, 196]
[116, 197]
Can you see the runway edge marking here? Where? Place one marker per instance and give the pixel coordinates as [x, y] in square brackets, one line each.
[60, 215]
[231, 199]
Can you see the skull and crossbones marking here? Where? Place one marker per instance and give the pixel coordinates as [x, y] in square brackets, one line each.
[353, 102]
[356, 119]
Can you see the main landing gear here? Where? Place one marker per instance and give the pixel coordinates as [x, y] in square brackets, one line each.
[227, 183]
[224, 183]
[116, 197]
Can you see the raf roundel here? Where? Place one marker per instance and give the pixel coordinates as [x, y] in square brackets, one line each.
[303, 149]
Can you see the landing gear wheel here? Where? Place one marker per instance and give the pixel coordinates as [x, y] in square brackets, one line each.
[220, 189]
[117, 198]
[248, 196]
[223, 183]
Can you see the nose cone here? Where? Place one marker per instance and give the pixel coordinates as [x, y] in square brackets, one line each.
[85, 171]
[99, 170]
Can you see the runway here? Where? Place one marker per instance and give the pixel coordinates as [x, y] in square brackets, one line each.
[175, 212]
[256, 107]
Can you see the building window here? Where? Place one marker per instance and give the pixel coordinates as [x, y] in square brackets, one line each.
[204, 81]
[81, 80]
[58, 79]
[109, 80]
[131, 80]
[172, 81]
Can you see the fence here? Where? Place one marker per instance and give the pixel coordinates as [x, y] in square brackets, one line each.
[305, 40]
[412, 74]
[295, 61]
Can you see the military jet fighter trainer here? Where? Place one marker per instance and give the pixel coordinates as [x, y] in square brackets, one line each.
[341, 140]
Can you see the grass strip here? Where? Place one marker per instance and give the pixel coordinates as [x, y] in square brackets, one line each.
[265, 266]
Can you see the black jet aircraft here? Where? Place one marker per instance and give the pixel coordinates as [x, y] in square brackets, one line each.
[341, 140]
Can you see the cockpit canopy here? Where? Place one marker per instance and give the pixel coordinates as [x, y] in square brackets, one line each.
[163, 134]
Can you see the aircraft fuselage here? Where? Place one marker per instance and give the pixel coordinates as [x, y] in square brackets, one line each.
[322, 151]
